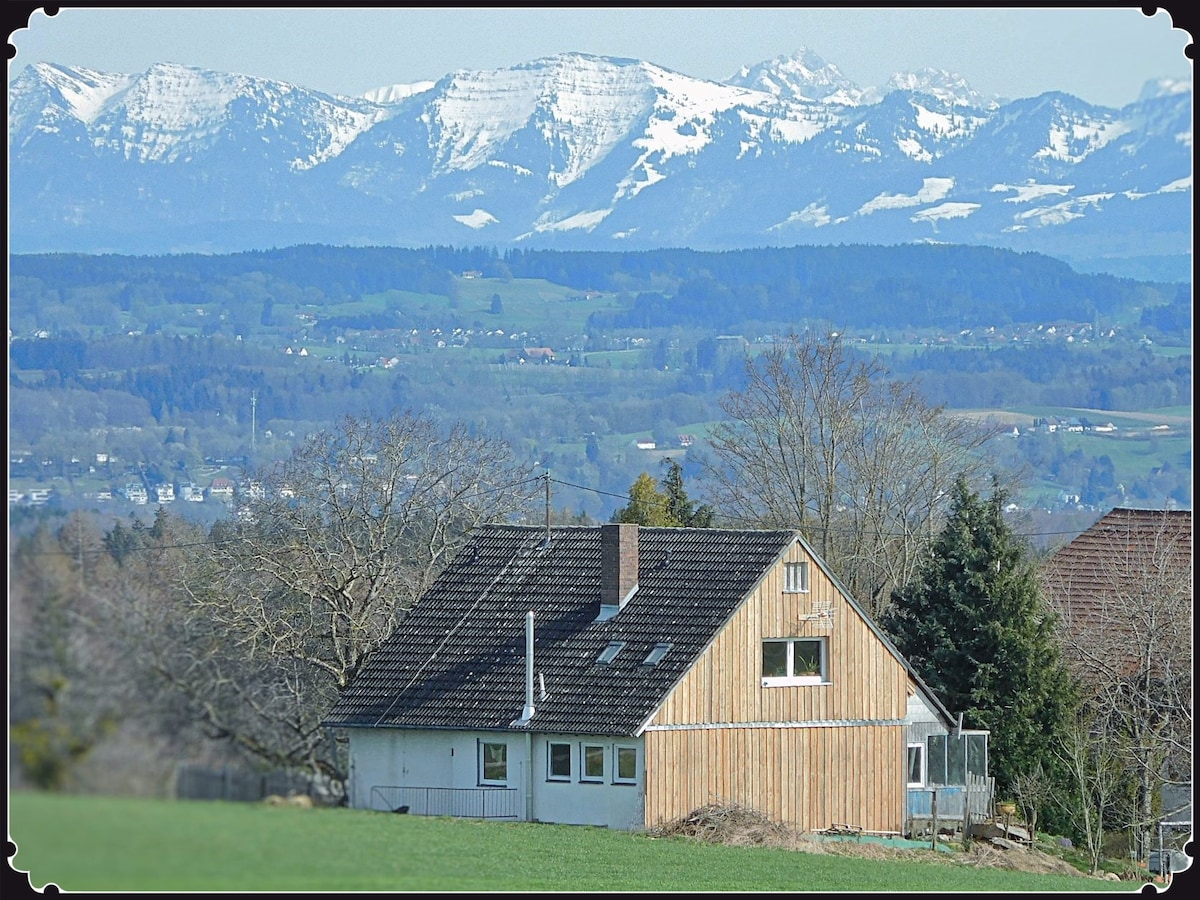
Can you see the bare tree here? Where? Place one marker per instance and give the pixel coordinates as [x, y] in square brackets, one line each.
[824, 442]
[249, 632]
[340, 540]
[1093, 765]
[1032, 790]
[1125, 620]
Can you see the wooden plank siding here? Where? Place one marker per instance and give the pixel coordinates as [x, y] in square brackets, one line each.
[805, 755]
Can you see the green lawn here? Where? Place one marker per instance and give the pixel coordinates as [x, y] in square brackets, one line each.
[130, 844]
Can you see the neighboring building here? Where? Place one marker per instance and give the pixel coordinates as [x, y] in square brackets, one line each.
[1123, 591]
[165, 493]
[622, 676]
[221, 489]
[191, 492]
[136, 493]
[1123, 565]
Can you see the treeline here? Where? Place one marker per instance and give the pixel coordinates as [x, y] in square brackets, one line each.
[853, 286]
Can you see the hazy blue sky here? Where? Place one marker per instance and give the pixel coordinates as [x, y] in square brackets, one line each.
[1103, 55]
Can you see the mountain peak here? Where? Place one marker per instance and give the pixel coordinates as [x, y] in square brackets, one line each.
[802, 75]
[948, 87]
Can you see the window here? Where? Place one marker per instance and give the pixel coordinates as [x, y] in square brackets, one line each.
[951, 758]
[795, 577]
[937, 759]
[656, 655]
[593, 762]
[794, 661]
[626, 766]
[609, 653]
[493, 763]
[559, 756]
[916, 765]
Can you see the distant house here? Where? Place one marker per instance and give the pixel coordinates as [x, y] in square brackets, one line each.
[221, 489]
[191, 493]
[537, 354]
[136, 493]
[645, 443]
[165, 493]
[622, 676]
[472, 273]
[686, 440]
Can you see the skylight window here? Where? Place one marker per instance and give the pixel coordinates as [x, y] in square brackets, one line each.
[609, 653]
[656, 655]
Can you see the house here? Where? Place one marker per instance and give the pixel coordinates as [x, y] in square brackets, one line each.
[621, 676]
[1123, 593]
[221, 488]
[1095, 578]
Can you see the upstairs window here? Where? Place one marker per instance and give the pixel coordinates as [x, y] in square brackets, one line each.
[656, 655]
[793, 661]
[609, 653]
[795, 577]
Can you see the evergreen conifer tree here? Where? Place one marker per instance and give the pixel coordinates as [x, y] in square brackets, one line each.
[974, 626]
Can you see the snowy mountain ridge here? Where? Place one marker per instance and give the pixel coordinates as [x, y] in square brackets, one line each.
[591, 152]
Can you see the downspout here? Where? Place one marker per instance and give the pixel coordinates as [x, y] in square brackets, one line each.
[527, 714]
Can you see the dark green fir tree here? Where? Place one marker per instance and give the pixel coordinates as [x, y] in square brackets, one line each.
[974, 626]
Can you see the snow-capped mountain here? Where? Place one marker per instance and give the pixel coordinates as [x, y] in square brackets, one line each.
[591, 152]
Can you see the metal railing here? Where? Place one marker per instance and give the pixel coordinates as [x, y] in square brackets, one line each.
[466, 803]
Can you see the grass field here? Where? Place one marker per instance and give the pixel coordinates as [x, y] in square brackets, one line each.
[129, 844]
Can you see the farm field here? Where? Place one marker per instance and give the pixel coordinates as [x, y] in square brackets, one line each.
[92, 843]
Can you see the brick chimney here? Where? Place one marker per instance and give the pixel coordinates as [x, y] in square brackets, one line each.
[618, 566]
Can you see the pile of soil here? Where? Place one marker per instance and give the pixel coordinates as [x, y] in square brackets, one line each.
[738, 826]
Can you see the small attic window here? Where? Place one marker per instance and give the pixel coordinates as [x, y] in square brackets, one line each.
[609, 653]
[656, 655]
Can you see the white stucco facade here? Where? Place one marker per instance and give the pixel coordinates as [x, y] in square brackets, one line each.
[594, 781]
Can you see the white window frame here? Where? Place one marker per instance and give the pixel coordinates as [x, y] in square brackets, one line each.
[618, 751]
[922, 755]
[789, 679]
[584, 775]
[483, 778]
[795, 577]
[550, 774]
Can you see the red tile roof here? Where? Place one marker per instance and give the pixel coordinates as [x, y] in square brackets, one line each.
[1131, 567]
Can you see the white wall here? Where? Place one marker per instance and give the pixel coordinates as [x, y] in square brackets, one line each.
[392, 757]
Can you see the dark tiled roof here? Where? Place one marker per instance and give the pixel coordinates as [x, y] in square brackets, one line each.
[458, 659]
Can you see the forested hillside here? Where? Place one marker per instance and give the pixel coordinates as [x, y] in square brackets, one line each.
[169, 369]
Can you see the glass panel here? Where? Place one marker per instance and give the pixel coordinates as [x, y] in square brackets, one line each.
[977, 754]
[656, 655]
[956, 760]
[937, 759]
[807, 658]
[495, 762]
[914, 764]
[774, 659]
[560, 760]
[626, 763]
[593, 762]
